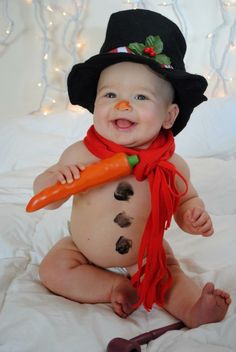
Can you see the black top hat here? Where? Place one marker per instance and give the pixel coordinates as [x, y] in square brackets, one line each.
[145, 37]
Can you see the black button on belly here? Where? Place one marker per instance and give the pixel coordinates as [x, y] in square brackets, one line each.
[123, 191]
[123, 245]
[123, 220]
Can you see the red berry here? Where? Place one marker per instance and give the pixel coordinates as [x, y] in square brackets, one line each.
[149, 51]
[152, 53]
[146, 50]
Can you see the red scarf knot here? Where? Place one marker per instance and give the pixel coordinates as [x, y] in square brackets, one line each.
[153, 278]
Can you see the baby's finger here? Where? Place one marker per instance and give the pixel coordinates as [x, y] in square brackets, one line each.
[201, 219]
[60, 177]
[75, 171]
[68, 175]
[81, 166]
[195, 214]
[205, 229]
[208, 232]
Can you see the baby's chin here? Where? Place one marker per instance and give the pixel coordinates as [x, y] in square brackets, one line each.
[123, 138]
[136, 145]
[132, 143]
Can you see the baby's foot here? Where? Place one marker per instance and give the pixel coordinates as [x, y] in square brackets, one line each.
[123, 298]
[210, 307]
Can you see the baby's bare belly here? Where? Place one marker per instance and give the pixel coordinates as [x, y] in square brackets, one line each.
[107, 222]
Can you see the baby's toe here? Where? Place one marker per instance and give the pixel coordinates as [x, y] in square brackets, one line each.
[118, 309]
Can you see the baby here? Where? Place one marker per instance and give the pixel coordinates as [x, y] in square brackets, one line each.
[140, 95]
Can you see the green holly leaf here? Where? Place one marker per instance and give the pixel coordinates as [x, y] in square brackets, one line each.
[162, 59]
[155, 42]
[137, 48]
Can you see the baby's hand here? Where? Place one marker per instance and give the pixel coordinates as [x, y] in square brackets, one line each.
[198, 222]
[68, 173]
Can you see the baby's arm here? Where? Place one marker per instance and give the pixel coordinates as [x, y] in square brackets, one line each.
[191, 215]
[65, 171]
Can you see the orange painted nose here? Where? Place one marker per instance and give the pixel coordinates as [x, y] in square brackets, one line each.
[123, 105]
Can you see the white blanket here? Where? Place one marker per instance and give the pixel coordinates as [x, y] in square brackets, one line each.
[34, 320]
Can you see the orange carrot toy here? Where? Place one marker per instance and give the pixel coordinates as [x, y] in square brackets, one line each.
[109, 169]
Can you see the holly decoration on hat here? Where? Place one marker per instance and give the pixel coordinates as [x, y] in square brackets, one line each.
[152, 48]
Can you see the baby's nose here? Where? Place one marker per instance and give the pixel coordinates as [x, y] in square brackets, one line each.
[123, 105]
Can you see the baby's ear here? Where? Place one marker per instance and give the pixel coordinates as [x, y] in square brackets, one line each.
[172, 113]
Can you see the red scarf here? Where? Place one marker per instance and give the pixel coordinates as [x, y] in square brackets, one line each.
[153, 278]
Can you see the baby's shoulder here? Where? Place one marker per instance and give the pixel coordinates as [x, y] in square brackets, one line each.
[72, 152]
[77, 153]
[181, 165]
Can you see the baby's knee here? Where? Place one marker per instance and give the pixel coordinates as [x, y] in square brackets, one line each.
[171, 260]
[48, 271]
[56, 265]
[170, 257]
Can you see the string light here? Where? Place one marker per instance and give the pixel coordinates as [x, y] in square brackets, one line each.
[76, 108]
[50, 9]
[46, 15]
[220, 87]
[209, 35]
[45, 112]
[165, 3]
[229, 3]
[135, 4]
[71, 15]
[217, 78]
[232, 46]
[178, 13]
[4, 40]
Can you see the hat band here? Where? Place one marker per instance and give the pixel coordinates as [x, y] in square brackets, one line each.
[127, 50]
[121, 49]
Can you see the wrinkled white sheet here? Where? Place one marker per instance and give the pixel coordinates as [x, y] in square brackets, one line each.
[33, 319]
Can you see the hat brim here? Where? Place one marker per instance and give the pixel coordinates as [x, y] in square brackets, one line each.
[83, 79]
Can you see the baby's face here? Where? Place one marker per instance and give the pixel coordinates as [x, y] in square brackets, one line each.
[149, 106]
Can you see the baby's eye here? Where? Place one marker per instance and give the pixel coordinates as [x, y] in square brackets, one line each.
[110, 95]
[140, 97]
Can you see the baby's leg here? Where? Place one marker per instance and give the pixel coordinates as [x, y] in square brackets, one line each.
[67, 272]
[188, 302]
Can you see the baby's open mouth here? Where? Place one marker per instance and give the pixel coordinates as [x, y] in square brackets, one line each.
[123, 123]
